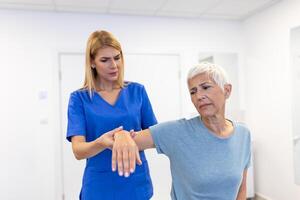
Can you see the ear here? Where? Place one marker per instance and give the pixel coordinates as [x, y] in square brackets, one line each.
[93, 64]
[227, 90]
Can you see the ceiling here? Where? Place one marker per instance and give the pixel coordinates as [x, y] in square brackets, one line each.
[208, 9]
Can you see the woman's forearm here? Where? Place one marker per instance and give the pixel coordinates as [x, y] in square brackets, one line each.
[83, 149]
[143, 140]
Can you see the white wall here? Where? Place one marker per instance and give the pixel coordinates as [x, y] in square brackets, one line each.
[268, 97]
[30, 42]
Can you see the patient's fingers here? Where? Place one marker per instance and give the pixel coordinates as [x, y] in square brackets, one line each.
[132, 159]
[138, 158]
[114, 160]
[126, 162]
[120, 162]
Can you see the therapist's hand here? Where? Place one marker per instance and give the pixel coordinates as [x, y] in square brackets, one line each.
[125, 153]
[107, 139]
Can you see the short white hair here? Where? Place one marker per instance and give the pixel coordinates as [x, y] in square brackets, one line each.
[215, 72]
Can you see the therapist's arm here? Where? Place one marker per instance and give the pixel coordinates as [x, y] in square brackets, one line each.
[126, 150]
[243, 188]
[82, 149]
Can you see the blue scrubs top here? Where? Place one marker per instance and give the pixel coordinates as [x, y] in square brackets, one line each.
[91, 117]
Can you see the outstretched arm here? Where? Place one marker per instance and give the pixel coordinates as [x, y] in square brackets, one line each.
[126, 150]
[144, 140]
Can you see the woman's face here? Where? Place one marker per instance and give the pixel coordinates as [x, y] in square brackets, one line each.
[208, 98]
[108, 62]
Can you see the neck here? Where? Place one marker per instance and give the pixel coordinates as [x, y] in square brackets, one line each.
[218, 124]
[106, 85]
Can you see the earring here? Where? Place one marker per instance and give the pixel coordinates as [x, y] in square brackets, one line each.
[93, 66]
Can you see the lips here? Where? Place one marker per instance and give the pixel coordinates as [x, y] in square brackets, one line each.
[113, 73]
[204, 105]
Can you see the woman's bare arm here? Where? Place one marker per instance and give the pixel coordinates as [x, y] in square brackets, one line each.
[144, 140]
[82, 149]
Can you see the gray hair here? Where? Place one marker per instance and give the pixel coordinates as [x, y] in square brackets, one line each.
[215, 72]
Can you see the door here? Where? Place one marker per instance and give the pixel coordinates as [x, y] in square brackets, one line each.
[159, 73]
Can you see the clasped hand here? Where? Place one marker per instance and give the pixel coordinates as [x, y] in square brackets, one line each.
[125, 153]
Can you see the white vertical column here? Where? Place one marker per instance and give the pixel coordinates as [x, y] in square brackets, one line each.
[296, 115]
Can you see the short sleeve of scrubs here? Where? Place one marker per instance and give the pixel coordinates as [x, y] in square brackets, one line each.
[147, 115]
[76, 117]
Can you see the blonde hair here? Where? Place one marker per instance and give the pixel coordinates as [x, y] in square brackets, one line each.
[215, 72]
[98, 40]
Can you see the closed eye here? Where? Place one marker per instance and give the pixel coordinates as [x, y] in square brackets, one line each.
[118, 57]
[104, 60]
[193, 91]
[205, 87]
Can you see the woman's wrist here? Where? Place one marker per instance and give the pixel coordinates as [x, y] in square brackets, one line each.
[99, 143]
[123, 136]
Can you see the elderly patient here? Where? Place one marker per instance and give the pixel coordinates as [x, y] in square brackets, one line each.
[209, 154]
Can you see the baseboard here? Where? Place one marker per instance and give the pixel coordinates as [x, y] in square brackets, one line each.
[261, 197]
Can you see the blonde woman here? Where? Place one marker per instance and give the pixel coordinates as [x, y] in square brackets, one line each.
[106, 102]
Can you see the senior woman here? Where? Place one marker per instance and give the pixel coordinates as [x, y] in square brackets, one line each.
[209, 154]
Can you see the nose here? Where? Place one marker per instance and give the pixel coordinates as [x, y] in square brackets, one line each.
[200, 96]
[114, 64]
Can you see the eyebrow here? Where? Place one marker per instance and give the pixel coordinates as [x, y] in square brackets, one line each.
[194, 88]
[104, 57]
[205, 83]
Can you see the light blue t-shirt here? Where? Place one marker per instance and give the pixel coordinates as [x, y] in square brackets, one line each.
[203, 165]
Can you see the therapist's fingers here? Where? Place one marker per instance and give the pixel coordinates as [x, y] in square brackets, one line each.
[132, 133]
[120, 128]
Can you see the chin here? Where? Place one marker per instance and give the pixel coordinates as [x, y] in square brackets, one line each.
[206, 114]
[113, 79]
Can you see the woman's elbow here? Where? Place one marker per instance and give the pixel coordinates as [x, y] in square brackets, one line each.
[78, 155]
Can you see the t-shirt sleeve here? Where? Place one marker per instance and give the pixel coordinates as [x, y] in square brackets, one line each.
[147, 115]
[164, 136]
[76, 117]
[248, 152]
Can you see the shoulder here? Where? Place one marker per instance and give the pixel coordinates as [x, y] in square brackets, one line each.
[133, 85]
[178, 122]
[80, 95]
[80, 92]
[169, 125]
[243, 130]
[242, 127]
[135, 89]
